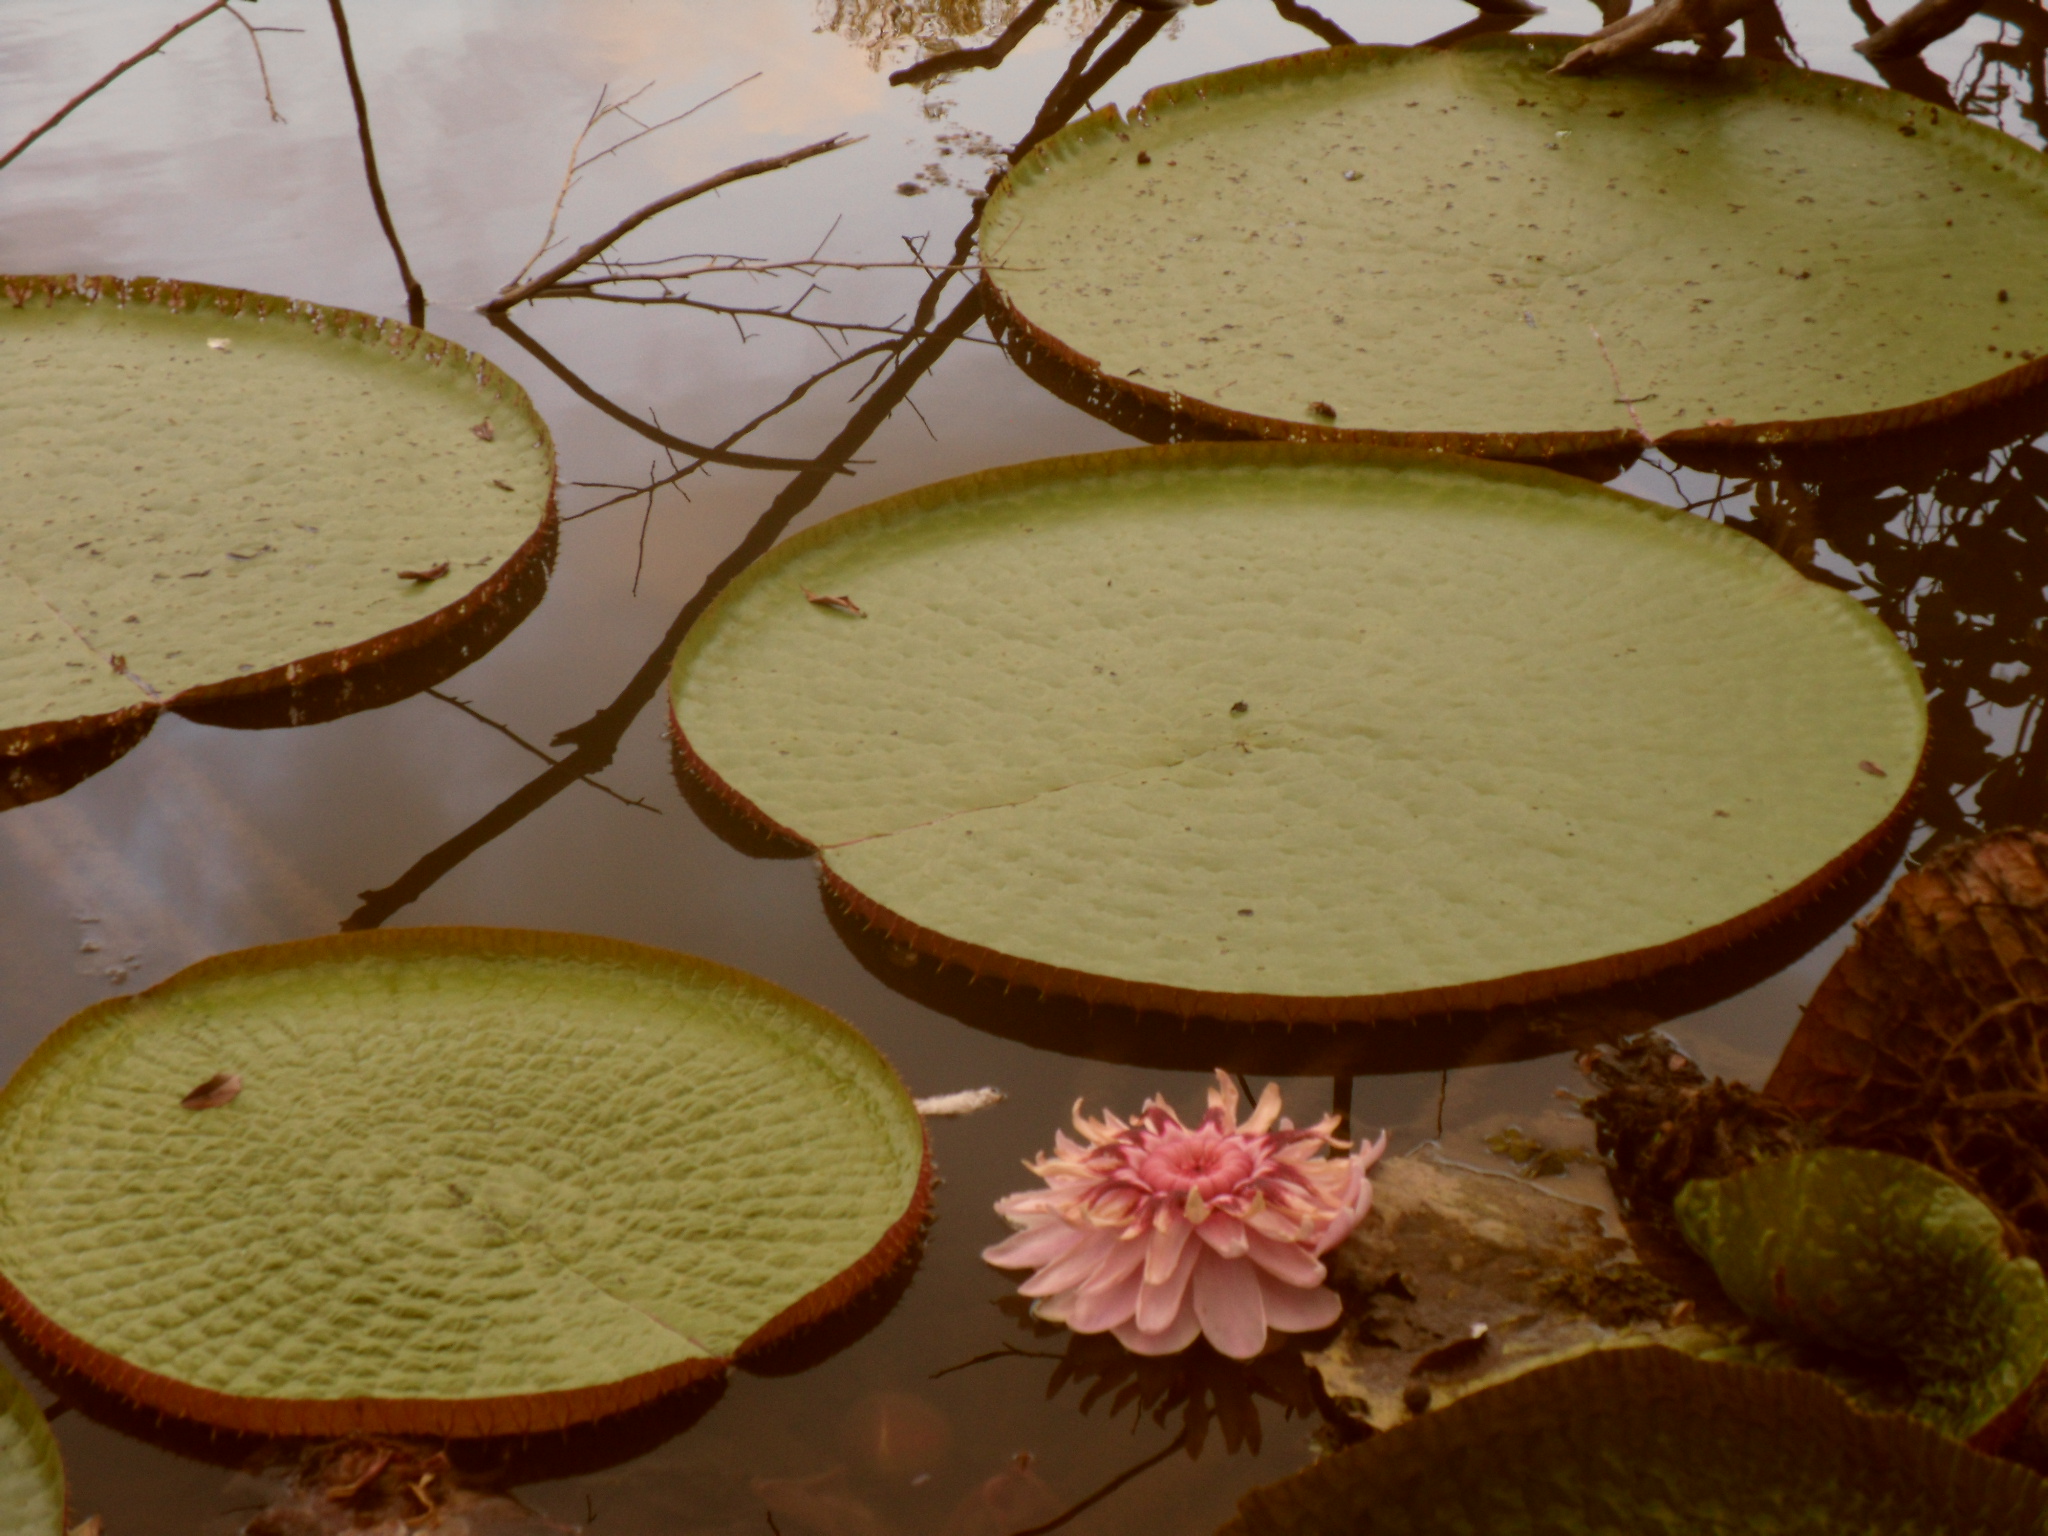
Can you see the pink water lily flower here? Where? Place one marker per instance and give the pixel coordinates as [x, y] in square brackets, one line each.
[1157, 1231]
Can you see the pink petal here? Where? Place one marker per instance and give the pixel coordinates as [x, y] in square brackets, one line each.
[1125, 1258]
[1076, 1266]
[1229, 1306]
[1034, 1246]
[1098, 1311]
[1163, 1251]
[1298, 1311]
[1289, 1263]
[1267, 1112]
[1226, 1234]
[1180, 1331]
[1159, 1304]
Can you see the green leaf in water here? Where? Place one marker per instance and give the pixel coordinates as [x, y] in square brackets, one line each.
[1272, 732]
[31, 1472]
[1650, 1442]
[1883, 1259]
[475, 1181]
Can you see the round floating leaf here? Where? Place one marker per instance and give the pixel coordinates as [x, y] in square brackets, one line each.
[31, 1471]
[1278, 732]
[1649, 1442]
[1455, 248]
[1880, 1257]
[474, 1181]
[213, 495]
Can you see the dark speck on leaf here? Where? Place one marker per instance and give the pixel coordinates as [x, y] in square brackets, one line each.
[1143, 158]
[217, 1090]
[501, 485]
[1240, 707]
[1323, 409]
[909, 189]
[1244, 911]
[2004, 297]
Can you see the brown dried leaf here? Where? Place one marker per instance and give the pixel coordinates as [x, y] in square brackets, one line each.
[482, 430]
[843, 603]
[217, 1090]
[431, 573]
[1927, 1037]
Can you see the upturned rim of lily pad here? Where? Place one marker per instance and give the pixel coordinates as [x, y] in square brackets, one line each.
[1094, 988]
[475, 608]
[457, 1417]
[45, 1462]
[1044, 355]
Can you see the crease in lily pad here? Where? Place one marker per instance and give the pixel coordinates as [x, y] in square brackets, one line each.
[1647, 1441]
[216, 497]
[1454, 248]
[1883, 1259]
[1272, 732]
[31, 1470]
[476, 1181]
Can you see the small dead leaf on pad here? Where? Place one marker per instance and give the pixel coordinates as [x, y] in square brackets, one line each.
[501, 485]
[219, 1089]
[843, 603]
[220, 344]
[482, 431]
[1872, 769]
[431, 573]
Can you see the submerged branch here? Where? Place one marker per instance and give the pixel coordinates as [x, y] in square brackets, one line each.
[988, 56]
[109, 78]
[1705, 22]
[415, 295]
[1177, 1443]
[1927, 22]
[518, 292]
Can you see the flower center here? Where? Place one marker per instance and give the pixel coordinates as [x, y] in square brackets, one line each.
[1213, 1165]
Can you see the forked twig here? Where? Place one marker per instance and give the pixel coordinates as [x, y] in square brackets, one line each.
[262, 68]
[415, 295]
[988, 56]
[110, 77]
[519, 292]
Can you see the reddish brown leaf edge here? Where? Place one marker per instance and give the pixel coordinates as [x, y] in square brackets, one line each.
[455, 1418]
[1278, 1007]
[25, 749]
[1722, 441]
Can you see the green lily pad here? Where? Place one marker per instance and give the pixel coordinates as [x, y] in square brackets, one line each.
[214, 495]
[31, 1471]
[472, 1181]
[1650, 1442]
[1455, 248]
[1271, 732]
[1879, 1257]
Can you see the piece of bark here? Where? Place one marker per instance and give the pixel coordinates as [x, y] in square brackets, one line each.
[1928, 22]
[1927, 1036]
[1705, 22]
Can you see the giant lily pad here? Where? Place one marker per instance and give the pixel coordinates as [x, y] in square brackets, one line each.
[1650, 1442]
[215, 495]
[1881, 1257]
[450, 1181]
[1272, 732]
[31, 1471]
[1455, 248]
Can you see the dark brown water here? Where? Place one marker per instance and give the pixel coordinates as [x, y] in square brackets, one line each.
[428, 811]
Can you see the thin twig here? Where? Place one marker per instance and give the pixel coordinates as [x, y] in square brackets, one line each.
[262, 68]
[518, 293]
[1007, 1352]
[988, 56]
[1107, 1488]
[511, 735]
[665, 122]
[415, 295]
[110, 77]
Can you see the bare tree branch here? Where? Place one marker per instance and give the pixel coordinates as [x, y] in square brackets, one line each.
[518, 740]
[1315, 21]
[1705, 22]
[110, 77]
[518, 293]
[262, 68]
[987, 56]
[1927, 22]
[415, 295]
